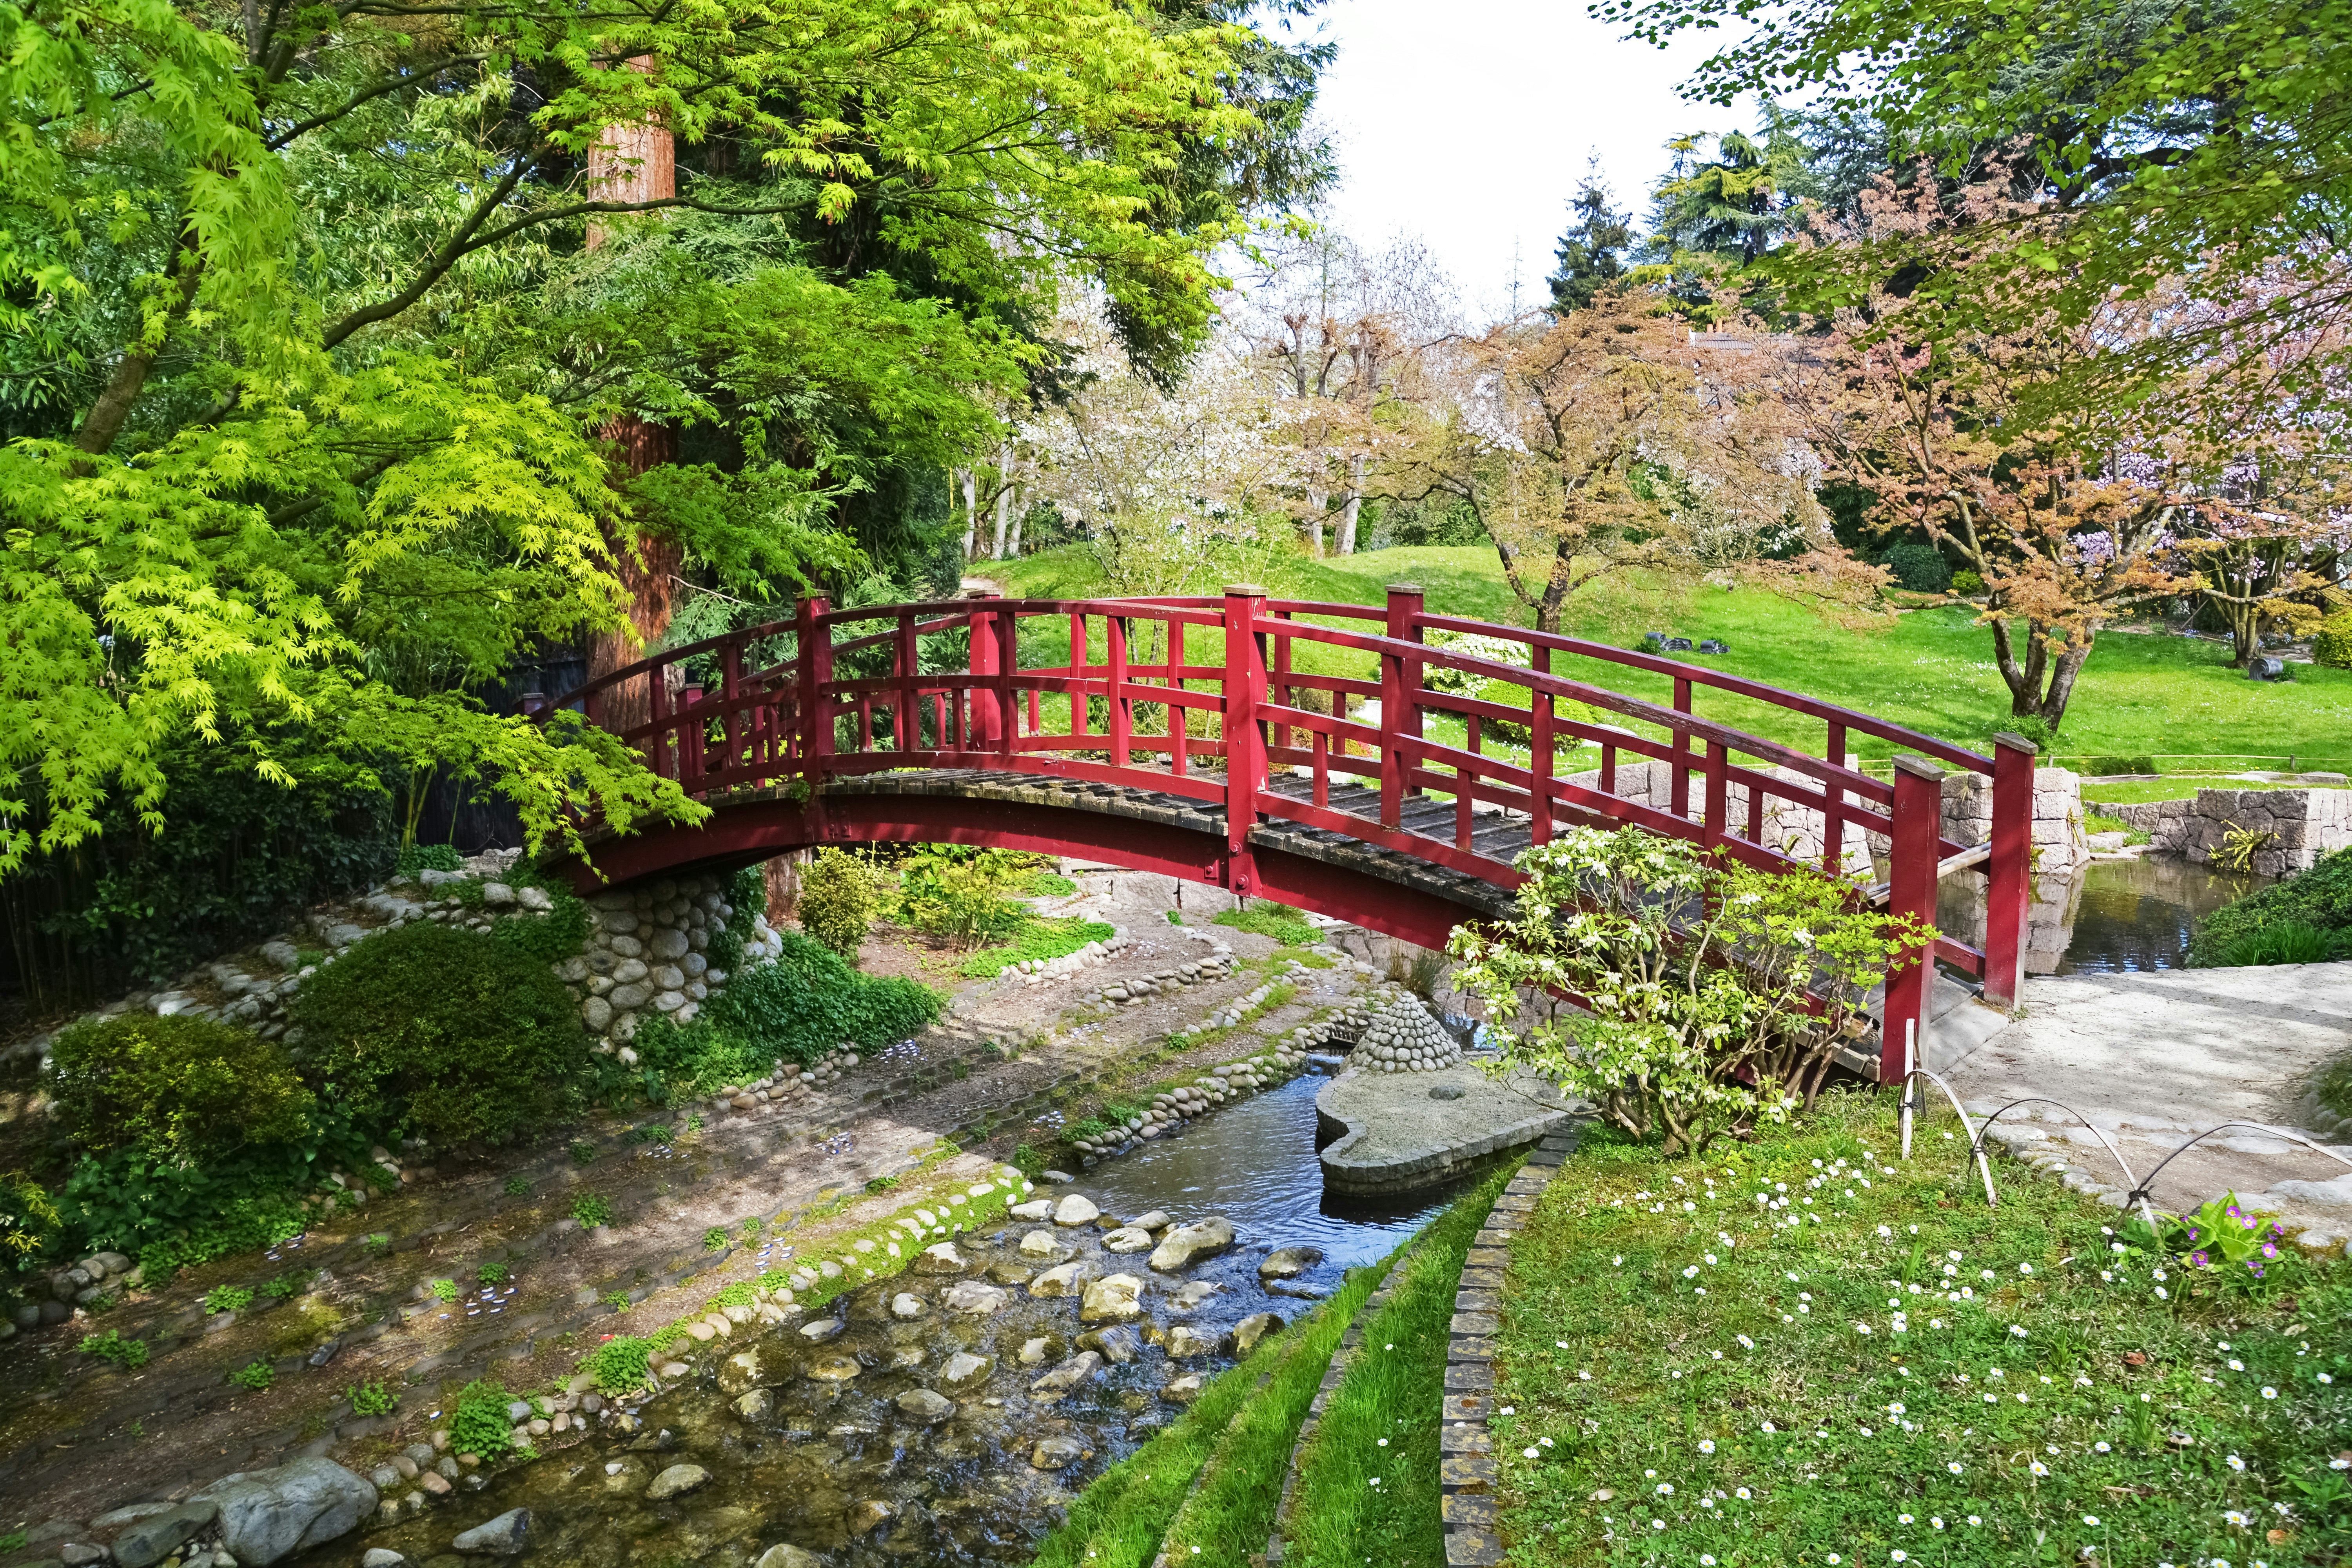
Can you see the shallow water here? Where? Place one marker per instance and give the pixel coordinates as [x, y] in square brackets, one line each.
[835, 1451]
[2111, 916]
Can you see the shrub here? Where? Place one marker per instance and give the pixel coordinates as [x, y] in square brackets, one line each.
[2320, 898]
[29, 1222]
[493, 1274]
[227, 1299]
[415, 857]
[1701, 980]
[372, 1398]
[444, 1289]
[180, 1088]
[1967, 583]
[2286, 941]
[256, 1376]
[2332, 646]
[1918, 567]
[479, 1425]
[809, 1001]
[838, 902]
[622, 1365]
[959, 892]
[2100, 763]
[591, 1210]
[111, 1346]
[1039, 939]
[548, 938]
[447, 1032]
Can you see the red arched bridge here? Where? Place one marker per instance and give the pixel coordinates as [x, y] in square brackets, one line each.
[1086, 727]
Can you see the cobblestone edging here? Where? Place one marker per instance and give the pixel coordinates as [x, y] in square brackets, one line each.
[1334, 1373]
[1466, 1466]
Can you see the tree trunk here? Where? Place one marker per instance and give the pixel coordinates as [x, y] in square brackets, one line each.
[2061, 681]
[635, 164]
[1315, 501]
[1350, 508]
[1004, 499]
[106, 417]
[970, 483]
[1020, 515]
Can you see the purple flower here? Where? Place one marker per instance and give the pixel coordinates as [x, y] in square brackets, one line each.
[2268, 1250]
[2197, 1259]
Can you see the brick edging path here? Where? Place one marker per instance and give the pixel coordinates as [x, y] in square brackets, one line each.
[1466, 1448]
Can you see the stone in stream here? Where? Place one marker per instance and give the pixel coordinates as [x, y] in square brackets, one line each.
[1078, 1369]
[756, 1406]
[1113, 1297]
[1037, 1208]
[375, 1557]
[870, 1516]
[787, 1557]
[1040, 1244]
[1193, 1294]
[1117, 1345]
[1057, 1453]
[1252, 1329]
[1289, 1262]
[972, 1299]
[921, 1404]
[1182, 1390]
[965, 1372]
[1190, 1244]
[677, 1481]
[821, 1330]
[906, 1306]
[1041, 1348]
[1184, 1343]
[152, 1538]
[503, 1536]
[835, 1368]
[1069, 1279]
[1075, 1210]
[741, 1373]
[1127, 1239]
[1008, 1273]
[267, 1515]
[937, 1261]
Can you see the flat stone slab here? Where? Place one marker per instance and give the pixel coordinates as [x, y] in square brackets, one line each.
[2153, 1059]
[1394, 1136]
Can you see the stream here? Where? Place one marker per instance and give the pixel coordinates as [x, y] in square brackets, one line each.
[836, 1464]
[2111, 916]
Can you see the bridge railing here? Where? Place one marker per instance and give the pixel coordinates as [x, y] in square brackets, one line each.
[1259, 714]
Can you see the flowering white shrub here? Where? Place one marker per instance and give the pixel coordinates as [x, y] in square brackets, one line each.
[1711, 995]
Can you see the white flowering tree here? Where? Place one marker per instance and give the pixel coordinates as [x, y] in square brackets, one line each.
[1685, 995]
[1181, 490]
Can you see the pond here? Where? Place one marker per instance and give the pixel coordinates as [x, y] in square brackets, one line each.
[973, 1466]
[2113, 915]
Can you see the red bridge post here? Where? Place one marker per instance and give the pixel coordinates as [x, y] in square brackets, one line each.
[1918, 820]
[1399, 703]
[982, 732]
[816, 671]
[1244, 695]
[2010, 891]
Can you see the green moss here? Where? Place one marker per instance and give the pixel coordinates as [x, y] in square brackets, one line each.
[1282, 923]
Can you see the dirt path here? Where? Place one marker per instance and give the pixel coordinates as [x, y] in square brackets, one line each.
[699, 1196]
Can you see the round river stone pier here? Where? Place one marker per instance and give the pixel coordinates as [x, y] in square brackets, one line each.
[1393, 1132]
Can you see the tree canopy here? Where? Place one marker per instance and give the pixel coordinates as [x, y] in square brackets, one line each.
[309, 357]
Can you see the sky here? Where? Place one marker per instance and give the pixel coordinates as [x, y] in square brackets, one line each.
[1469, 122]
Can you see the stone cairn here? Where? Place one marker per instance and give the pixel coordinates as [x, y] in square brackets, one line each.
[646, 954]
[1403, 1037]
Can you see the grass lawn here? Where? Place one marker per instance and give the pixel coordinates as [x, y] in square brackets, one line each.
[1930, 669]
[2172, 787]
[1368, 1485]
[1886, 1371]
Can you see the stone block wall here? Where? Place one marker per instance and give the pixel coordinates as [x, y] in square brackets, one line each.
[646, 954]
[2059, 842]
[2300, 824]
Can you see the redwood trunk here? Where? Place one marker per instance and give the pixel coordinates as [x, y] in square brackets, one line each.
[635, 164]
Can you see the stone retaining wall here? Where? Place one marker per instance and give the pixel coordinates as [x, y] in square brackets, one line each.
[2303, 824]
[2059, 842]
[646, 955]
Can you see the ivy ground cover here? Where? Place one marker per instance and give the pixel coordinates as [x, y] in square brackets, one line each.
[1808, 1351]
